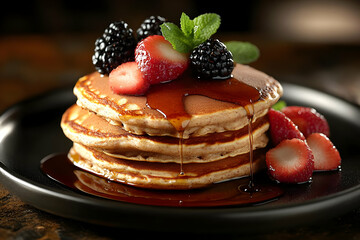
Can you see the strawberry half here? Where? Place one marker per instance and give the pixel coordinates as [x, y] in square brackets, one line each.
[307, 119]
[127, 79]
[291, 161]
[158, 61]
[281, 127]
[326, 156]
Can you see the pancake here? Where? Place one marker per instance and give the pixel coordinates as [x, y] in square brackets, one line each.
[89, 129]
[207, 115]
[163, 175]
[225, 193]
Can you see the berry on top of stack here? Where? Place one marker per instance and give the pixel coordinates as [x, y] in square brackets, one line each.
[150, 26]
[114, 47]
[212, 60]
[161, 58]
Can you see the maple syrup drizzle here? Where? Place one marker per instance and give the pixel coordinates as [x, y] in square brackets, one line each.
[181, 154]
[250, 187]
[168, 99]
[251, 153]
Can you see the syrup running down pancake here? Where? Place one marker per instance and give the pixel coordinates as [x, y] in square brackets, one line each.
[87, 128]
[207, 114]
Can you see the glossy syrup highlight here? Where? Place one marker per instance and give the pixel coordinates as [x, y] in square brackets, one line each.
[168, 99]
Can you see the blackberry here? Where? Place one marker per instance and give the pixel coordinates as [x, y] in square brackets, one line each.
[114, 47]
[211, 60]
[150, 26]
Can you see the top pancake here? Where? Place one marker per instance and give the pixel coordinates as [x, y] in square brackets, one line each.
[207, 115]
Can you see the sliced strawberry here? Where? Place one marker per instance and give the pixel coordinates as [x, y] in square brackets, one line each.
[281, 127]
[326, 156]
[290, 162]
[307, 119]
[127, 79]
[158, 61]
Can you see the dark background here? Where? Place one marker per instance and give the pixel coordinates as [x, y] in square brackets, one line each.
[332, 19]
[62, 17]
[324, 20]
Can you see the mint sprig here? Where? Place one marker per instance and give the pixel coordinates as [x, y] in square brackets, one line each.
[243, 52]
[191, 32]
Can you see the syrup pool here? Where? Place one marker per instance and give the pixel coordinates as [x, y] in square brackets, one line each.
[59, 168]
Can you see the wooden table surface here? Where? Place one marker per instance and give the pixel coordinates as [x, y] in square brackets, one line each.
[34, 64]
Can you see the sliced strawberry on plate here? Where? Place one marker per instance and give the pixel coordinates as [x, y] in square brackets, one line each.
[127, 79]
[158, 61]
[291, 161]
[281, 127]
[326, 156]
[307, 119]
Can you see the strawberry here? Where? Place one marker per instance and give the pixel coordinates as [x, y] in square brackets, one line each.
[326, 156]
[127, 79]
[291, 161]
[158, 61]
[281, 127]
[307, 119]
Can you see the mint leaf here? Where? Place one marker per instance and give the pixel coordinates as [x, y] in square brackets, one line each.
[279, 105]
[191, 32]
[176, 37]
[187, 25]
[205, 26]
[243, 52]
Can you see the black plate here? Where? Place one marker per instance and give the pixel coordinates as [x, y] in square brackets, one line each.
[29, 131]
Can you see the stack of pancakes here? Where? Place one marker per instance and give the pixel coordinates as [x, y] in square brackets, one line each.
[122, 139]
